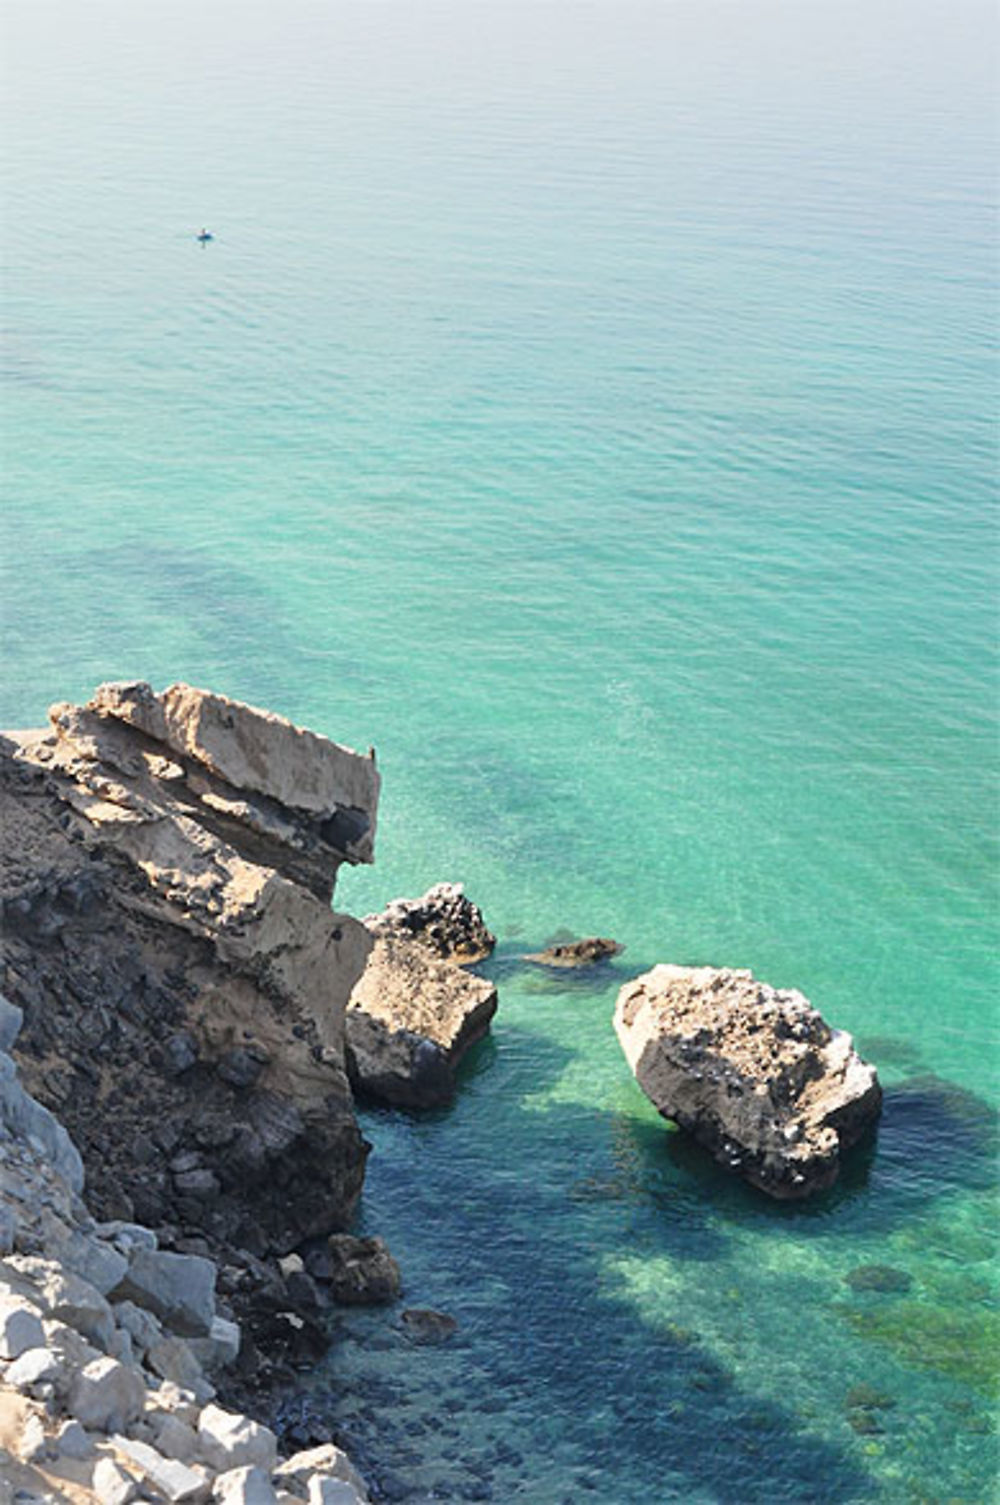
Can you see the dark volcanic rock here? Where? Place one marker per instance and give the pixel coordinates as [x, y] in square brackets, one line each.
[364, 1272]
[583, 953]
[422, 1325]
[443, 921]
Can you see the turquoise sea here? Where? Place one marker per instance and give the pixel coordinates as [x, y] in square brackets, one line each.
[594, 407]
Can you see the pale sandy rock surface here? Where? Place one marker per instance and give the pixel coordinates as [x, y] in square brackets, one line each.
[410, 1020]
[753, 1072]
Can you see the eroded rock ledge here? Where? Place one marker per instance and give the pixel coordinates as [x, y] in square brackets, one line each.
[168, 865]
[753, 1072]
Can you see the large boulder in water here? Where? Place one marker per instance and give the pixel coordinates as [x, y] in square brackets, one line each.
[752, 1072]
[410, 1020]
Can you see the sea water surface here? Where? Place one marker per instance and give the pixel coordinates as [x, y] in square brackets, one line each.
[592, 406]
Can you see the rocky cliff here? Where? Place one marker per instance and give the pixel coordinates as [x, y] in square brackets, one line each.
[167, 870]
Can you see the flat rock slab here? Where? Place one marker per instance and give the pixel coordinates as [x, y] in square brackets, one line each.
[754, 1073]
[410, 1020]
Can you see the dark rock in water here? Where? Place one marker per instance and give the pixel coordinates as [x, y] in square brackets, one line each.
[442, 921]
[865, 1423]
[583, 953]
[883, 1278]
[364, 1272]
[753, 1072]
[867, 1398]
[425, 1326]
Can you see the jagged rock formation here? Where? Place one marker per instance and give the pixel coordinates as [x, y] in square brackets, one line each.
[109, 1348]
[443, 921]
[167, 868]
[415, 1013]
[753, 1072]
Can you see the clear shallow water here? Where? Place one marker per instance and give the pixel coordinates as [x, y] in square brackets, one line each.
[594, 409]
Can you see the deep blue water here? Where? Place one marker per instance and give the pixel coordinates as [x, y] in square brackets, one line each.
[594, 407]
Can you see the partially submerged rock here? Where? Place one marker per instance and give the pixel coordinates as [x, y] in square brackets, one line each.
[362, 1271]
[753, 1072]
[425, 1326]
[583, 953]
[443, 921]
[410, 1020]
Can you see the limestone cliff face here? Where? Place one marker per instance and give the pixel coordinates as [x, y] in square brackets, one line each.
[167, 868]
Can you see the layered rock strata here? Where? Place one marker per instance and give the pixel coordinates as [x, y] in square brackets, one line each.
[110, 1349]
[752, 1072]
[168, 865]
[415, 1013]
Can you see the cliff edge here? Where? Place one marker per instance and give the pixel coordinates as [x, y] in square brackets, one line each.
[167, 869]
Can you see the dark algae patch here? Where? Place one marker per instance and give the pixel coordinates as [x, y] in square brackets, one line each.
[885, 1279]
[959, 1343]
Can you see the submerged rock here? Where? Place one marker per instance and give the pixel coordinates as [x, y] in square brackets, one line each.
[422, 1325]
[410, 1020]
[885, 1279]
[583, 953]
[753, 1072]
[443, 921]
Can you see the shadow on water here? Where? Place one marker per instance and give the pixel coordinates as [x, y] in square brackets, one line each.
[554, 1388]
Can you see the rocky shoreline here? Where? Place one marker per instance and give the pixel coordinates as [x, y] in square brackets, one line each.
[188, 1023]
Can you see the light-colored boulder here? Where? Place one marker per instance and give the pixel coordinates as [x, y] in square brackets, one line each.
[142, 1327]
[34, 1444]
[410, 1020]
[26, 1119]
[11, 1019]
[244, 1486]
[177, 1288]
[174, 1480]
[36, 1369]
[175, 1399]
[68, 1298]
[173, 1360]
[753, 1072]
[106, 1396]
[327, 1460]
[228, 1440]
[20, 1328]
[326, 1491]
[173, 1437]
[221, 1347]
[111, 1484]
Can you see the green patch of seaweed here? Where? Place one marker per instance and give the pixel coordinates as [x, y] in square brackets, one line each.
[964, 1345]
